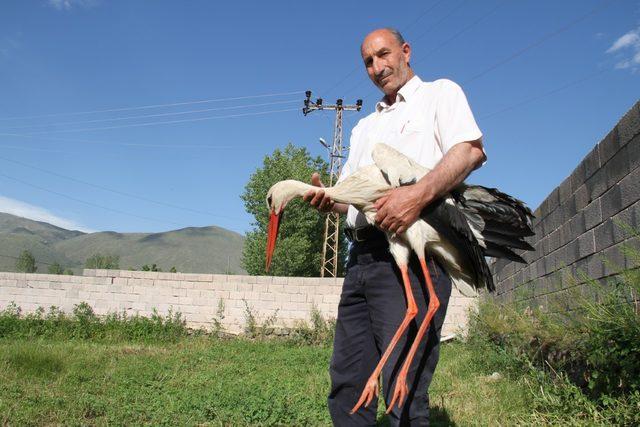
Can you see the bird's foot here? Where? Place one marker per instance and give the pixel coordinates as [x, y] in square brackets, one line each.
[370, 391]
[400, 392]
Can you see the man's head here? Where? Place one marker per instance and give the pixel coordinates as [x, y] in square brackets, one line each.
[386, 57]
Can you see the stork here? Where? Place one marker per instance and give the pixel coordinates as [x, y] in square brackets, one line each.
[459, 229]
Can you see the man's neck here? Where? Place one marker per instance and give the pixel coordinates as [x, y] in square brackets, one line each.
[390, 99]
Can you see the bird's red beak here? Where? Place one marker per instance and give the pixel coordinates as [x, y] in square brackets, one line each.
[272, 235]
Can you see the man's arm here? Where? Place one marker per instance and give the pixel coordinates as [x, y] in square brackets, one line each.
[318, 200]
[401, 206]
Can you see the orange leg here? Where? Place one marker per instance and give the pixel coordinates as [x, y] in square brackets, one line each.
[401, 391]
[371, 388]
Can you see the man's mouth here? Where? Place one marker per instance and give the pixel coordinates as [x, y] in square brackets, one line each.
[383, 79]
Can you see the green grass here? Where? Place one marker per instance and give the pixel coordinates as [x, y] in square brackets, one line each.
[200, 380]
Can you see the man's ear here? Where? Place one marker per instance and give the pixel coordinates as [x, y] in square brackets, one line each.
[406, 49]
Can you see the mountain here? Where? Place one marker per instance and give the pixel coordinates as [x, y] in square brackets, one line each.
[191, 250]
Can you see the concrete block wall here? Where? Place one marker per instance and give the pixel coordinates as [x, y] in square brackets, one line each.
[196, 296]
[576, 225]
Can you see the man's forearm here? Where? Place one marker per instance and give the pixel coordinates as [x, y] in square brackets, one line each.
[452, 169]
[340, 208]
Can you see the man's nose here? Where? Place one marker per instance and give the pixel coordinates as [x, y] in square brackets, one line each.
[378, 67]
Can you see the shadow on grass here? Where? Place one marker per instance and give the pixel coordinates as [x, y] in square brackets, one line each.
[437, 417]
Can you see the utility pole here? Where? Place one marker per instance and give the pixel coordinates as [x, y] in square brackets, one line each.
[329, 265]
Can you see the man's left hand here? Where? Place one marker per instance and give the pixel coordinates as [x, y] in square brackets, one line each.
[400, 208]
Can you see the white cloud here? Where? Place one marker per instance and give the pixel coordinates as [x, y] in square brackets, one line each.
[16, 207]
[627, 50]
[69, 4]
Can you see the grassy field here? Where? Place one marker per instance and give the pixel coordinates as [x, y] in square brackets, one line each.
[200, 380]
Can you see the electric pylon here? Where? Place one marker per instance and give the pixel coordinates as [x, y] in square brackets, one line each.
[329, 265]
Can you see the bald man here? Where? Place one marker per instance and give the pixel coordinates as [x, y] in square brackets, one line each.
[432, 123]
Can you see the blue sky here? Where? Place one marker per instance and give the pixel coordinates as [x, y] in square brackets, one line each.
[545, 79]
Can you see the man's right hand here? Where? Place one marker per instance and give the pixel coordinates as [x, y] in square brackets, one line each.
[317, 198]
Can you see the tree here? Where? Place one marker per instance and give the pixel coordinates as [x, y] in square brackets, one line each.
[152, 267]
[26, 263]
[55, 268]
[100, 261]
[299, 248]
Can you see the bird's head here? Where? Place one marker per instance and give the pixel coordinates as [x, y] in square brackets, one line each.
[278, 196]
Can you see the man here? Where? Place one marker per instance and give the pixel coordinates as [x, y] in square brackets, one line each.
[432, 123]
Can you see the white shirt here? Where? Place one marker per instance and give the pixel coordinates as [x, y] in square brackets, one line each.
[427, 119]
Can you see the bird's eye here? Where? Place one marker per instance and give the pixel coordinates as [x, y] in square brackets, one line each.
[269, 200]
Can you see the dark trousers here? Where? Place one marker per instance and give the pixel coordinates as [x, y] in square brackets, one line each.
[372, 306]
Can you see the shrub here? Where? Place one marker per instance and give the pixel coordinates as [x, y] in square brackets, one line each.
[84, 324]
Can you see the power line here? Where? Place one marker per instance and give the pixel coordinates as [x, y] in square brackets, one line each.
[111, 143]
[175, 104]
[168, 122]
[66, 196]
[459, 33]
[538, 42]
[121, 193]
[544, 95]
[431, 28]
[235, 107]
[358, 67]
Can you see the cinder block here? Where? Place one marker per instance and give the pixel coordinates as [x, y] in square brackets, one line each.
[611, 202]
[266, 296]
[592, 215]
[632, 262]
[609, 146]
[279, 280]
[614, 260]
[567, 210]
[586, 244]
[554, 240]
[565, 234]
[617, 167]
[597, 184]
[564, 190]
[581, 197]
[591, 162]
[283, 299]
[603, 235]
[629, 125]
[595, 266]
[276, 288]
[331, 299]
[633, 150]
[621, 221]
[245, 287]
[264, 280]
[630, 188]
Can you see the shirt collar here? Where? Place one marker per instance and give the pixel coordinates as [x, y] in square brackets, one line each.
[404, 93]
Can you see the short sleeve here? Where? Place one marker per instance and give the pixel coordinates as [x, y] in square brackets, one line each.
[454, 119]
[347, 167]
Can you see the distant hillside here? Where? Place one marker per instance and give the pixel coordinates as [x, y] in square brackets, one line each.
[48, 233]
[193, 249]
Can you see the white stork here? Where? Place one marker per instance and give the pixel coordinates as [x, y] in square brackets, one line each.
[459, 229]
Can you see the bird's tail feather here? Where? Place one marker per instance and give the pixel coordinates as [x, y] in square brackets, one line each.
[504, 220]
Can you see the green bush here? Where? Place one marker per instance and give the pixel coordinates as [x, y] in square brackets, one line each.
[84, 324]
[585, 361]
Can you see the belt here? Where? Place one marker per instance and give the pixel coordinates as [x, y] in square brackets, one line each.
[362, 234]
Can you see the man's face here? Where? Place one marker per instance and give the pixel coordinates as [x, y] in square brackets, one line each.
[387, 61]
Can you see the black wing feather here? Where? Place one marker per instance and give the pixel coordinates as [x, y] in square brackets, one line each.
[452, 225]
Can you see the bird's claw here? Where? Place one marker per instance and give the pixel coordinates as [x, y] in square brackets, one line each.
[370, 391]
[400, 392]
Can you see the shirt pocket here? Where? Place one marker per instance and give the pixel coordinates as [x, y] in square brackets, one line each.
[413, 126]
